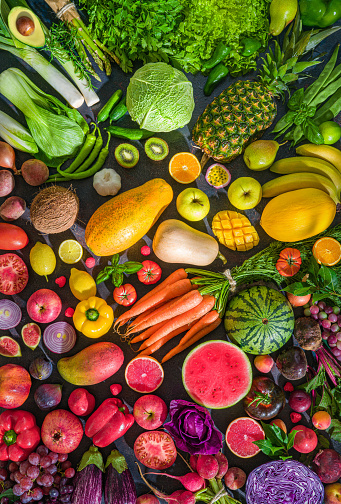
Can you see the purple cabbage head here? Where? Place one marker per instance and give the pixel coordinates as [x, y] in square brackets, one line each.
[284, 482]
[192, 428]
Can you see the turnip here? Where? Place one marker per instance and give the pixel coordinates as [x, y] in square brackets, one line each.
[12, 208]
[147, 499]
[34, 172]
[191, 481]
[223, 465]
[207, 466]
[327, 465]
[7, 183]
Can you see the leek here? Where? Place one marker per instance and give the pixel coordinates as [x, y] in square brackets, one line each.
[57, 129]
[16, 135]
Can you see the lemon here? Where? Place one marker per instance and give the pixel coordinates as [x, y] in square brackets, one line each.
[82, 284]
[70, 251]
[42, 259]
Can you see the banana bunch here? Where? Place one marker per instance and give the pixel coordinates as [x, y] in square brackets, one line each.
[319, 167]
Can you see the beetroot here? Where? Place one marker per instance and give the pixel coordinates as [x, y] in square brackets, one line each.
[191, 481]
[12, 208]
[327, 465]
[6, 183]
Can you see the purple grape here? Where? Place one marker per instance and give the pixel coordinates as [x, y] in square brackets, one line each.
[322, 315]
[320, 323]
[338, 344]
[54, 493]
[3, 474]
[3, 463]
[42, 450]
[45, 462]
[339, 319]
[52, 469]
[4, 500]
[13, 467]
[37, 494]
[70, 472]
[338, 336]
[63, 481]
[332, 317]
[26, 483]
[34, 458]
[54, 457]
[321, 305]
[329, 310]
[315, 316]
[65, 465]
[63, 490]
[33, 472]
[65, 498]
[24, 466]
[334, 328]
[62, 457]
[57, 479]
[336, 351]
[26, 497]
[47, 480]
[18, 490]
[314, 310]
[69, 488]
[332, 340]
[38, 480]
[325, 335]
[17, 476]
[336, 310]
[326, 324]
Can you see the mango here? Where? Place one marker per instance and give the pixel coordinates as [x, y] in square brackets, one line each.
[91, 365]
[125, 219]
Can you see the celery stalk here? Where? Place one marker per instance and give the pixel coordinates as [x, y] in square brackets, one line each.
[16, 135]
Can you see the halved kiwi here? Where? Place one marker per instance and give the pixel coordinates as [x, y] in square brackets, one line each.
[127, 155]
[156, 148]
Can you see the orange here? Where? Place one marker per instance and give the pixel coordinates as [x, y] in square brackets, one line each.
[327, 251]
[184, 167]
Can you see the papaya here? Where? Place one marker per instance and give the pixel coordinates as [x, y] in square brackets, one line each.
[91, 365]
[125, 219]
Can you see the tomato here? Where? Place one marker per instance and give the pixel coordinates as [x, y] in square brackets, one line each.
[13, 274]
[155, 449]
[264, 400]
[298, 300]
[12, 237]
[125, 295]
[289, 262]
[150, 273]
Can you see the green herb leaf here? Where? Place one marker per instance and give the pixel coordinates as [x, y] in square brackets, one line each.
[291, 439]
[132, 267]
[115, 259]
[117, 279]
[102, 277]
[335, 430]
[296, 100]
[315, 382]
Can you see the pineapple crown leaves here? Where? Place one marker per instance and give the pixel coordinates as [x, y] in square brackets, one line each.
[281, 66]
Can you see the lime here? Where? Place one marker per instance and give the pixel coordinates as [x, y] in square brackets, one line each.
[330, 131]
[70, 251]
[42, 259]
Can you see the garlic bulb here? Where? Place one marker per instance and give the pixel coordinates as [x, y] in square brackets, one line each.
[107, 182]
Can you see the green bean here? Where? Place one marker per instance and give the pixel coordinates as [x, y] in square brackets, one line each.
[103, 114]
[94, 169]
[319, 83]
[327, 91]
[93, 156]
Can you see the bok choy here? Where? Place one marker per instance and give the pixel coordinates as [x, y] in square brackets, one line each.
[57, 129]
[16, 135]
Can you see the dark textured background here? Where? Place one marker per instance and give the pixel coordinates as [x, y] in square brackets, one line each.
[89, 201]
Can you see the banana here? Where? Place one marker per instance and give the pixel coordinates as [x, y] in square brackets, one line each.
[326, 152]
[308, 164]
[301, 180]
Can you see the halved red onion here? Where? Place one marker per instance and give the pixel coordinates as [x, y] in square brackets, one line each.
[10, 314]
[59, 337]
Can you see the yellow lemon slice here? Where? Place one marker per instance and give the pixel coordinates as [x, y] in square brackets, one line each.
[70, 251]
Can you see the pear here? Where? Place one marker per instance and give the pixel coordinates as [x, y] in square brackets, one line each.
[282, 12]
[261, 154]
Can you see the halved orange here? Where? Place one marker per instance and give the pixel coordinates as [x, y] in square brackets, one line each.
[327, 251]
[184, 167]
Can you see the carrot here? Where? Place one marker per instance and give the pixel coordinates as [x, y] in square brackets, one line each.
[153, 311]
[145, 314]
[206, 320]
[145, 334]
[196, 337]
[171, 291]
[159, 343]
[184, 304]
[199, 311]
[179, 274]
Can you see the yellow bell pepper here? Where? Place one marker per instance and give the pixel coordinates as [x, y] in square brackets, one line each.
[93, 317]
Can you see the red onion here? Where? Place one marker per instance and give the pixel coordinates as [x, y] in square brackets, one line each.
[7, 157]
[59, 337]
[10, 314]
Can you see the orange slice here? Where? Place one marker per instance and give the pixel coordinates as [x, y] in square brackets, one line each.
[327, 251]
[184, 167]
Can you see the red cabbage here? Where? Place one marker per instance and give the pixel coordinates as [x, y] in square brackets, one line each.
[283, 482]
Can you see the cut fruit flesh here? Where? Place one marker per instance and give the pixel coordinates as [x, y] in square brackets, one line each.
[70, 251]
[240, 435]
[127, 155]
[9, 347]
[144, 374]
[184, 167]
[156, 148]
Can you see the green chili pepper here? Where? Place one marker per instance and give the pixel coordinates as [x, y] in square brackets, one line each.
[94, 169]
[103, 114]
[129, 133]
[93, 156]
[220, 53]
[216, 75]
[320, 13]
[119, 111]
[249, 46]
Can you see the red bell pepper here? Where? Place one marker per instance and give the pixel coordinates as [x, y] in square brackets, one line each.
[19, 435]
[109, 422]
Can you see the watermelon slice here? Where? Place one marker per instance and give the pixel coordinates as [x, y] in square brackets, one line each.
[217, 374]
[240, 435]
[144, 374]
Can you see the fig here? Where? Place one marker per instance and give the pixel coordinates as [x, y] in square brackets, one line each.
[48, 395]
[327, 465]
[41, 368]
[31, 335]
[292, 363]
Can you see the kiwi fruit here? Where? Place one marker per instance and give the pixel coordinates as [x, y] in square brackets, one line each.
[127, 155]
[156, 148]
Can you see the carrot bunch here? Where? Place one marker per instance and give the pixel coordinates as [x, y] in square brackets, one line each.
[171, 308]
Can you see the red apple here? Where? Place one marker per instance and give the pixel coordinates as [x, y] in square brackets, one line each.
[332, 493]
[61, 431]
[150, 411]
[305, 440]
[44, 306]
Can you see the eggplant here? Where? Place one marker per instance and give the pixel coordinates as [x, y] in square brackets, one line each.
[119, 484]
[88, 481]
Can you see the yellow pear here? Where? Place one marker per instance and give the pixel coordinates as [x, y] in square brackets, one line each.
[261, 154]
[282, 12]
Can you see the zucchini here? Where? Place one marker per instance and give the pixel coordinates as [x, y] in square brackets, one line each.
[129, 133]
[119, 484]
[88, 480]
[119, 111]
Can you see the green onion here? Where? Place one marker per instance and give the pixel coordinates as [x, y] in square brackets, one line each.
[16, 135]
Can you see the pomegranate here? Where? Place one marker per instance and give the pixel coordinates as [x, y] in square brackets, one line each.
[61, 431]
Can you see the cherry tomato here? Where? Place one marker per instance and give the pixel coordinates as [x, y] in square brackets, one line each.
[150, 273]
[12, 237]
[13, 274]
[125, 295]
[265, 399]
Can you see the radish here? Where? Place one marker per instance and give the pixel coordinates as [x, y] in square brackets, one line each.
[176, 496]
[191, 481]
[193, 459]
[186, 497]
[223, 465]
[147, 499]
[207, 466]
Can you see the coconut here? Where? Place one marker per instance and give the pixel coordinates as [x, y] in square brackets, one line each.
[308, 333]
[54, 210]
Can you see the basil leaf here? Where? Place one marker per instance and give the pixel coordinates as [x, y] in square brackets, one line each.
[312, 132]
[296, 100]
[102, 277]
[271, 434]
[313, 269]
[132, 267]
[300, 289]
[115, 259]
[117, 279]
[325, 276]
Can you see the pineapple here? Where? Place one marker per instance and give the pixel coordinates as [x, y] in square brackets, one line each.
[243, 111]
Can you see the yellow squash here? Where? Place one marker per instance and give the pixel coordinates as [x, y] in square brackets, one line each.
[125, 219]
[297, 215]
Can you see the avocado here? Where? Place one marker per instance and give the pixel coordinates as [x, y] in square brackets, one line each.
[25, 26]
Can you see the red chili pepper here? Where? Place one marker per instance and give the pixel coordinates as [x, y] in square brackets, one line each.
[19, 435]
[109, 422]
[150, 273]
[125, 295]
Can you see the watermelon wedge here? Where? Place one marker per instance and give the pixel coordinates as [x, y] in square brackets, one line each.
[217, 374]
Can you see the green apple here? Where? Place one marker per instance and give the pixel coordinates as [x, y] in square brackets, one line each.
[245, 193]
[192, 204]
